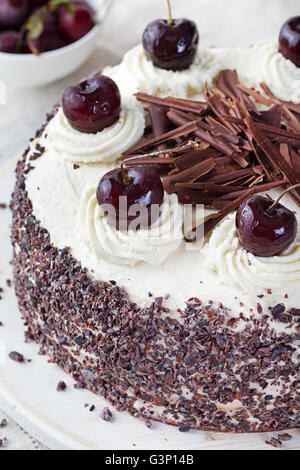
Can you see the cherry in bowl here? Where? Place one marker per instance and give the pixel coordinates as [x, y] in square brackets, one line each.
[13, 13]
[265, 228]
[141, 187]
[8, 41]
[50, 38]
[92, 105]
[77, 24]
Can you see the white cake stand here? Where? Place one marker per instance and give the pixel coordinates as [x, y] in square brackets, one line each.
[59, 420]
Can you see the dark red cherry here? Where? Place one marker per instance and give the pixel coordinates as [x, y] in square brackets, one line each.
[77, 25]
[50, 38]
[8, 41]
[13, 13]
[141, 186]
[93, 104]
[264, 231]
[289, 40]
[171, 46]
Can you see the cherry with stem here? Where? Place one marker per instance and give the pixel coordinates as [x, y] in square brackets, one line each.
[275, 203]
[266, 227]
[170, 19]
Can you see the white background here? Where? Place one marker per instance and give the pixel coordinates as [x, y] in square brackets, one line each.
[221, 23]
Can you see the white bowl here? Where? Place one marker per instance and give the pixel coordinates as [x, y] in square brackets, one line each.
[28, 70]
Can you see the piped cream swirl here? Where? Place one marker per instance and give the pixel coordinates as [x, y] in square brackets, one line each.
[137, 73]
[264, 63]
[151, 245]
[105, 146]
[240, 269]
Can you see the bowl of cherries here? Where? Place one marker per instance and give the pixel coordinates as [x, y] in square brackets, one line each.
[42, 41]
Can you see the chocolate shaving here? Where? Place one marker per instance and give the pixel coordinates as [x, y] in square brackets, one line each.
[264, 143]
[237, 147]
[160, 123]
[168, 136]
[190, 174]
[207, 223]
[175, 103]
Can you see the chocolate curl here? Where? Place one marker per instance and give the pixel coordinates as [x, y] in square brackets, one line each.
[179, 118]
[289, 104]
[184, 130]
[189, 175]
[160, 123]
[197, 107]
[272, 153]
[209, 222]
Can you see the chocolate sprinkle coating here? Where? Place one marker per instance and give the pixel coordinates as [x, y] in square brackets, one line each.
[206, 370]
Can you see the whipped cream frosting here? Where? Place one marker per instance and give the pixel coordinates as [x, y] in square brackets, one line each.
[105, 146]
[129, 247]
[259, 63]
[263, 63]
[137, 73]
[64, 201]
[242, 270]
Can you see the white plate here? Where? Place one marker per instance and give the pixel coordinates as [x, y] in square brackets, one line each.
[59, 419]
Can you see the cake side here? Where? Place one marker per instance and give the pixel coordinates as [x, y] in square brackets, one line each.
[206, 370]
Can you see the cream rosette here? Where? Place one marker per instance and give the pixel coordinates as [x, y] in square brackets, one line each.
[152, 245]
[264, 63]
[105, 146]
[137, 73]
[240, 269]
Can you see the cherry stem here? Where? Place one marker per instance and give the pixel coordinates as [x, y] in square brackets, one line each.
[161, 152]
[272, 207]
[170, 19]
[34, 24]
[125, 176]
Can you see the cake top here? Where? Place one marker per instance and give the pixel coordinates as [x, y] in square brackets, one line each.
[224, 125]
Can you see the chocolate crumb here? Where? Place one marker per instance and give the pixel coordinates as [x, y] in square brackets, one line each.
[61, 386]
[106, 414]
[8, 282]
[75, 166]
[184, 428]
[284, 437]
[3, 423]
[274, 442]
[3, 205]
[92, 408]
[259, 308]
[15, 356]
